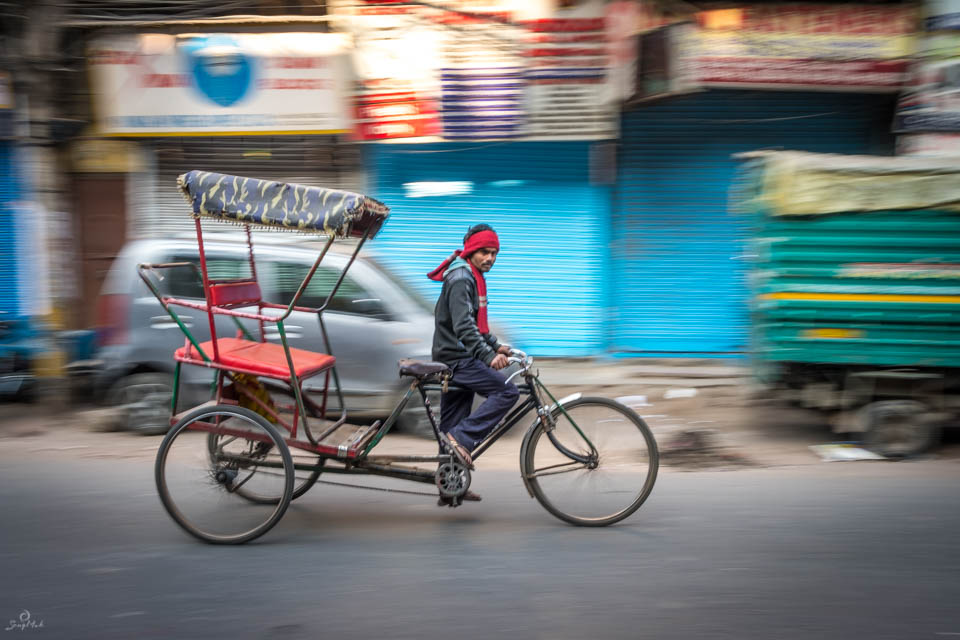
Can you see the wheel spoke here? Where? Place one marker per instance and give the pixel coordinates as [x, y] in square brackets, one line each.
[616, 479]
[235, 487]
[540, 472]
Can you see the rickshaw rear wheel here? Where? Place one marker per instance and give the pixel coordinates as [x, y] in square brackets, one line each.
[201, 489]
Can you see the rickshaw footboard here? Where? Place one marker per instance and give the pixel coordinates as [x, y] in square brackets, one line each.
[346, 441]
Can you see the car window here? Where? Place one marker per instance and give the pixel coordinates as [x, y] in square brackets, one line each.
[350, 298]
[409, 292]
[183, 282]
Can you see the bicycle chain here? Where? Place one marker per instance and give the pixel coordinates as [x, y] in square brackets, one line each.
[359, 486]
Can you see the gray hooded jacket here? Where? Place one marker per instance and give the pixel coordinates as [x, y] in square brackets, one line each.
[455, 334]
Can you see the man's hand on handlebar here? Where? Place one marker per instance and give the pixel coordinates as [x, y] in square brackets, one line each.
[499, 361]
[505, 349]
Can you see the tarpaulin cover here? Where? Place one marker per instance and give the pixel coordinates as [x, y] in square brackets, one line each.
[791, 183]
[292, 207]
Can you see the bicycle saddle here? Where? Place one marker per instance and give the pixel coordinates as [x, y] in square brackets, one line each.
[421, 370]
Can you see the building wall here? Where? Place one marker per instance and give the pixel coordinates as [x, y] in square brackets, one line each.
[547, 289]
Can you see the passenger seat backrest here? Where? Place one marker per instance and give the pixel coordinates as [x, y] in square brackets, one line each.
[234, 293]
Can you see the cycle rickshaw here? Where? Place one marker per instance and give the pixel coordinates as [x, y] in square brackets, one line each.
[228, 469]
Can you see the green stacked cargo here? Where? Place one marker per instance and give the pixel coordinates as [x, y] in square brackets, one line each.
[856, 288]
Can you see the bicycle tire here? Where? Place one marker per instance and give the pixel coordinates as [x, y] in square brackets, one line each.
[177, 452]
[535, 478]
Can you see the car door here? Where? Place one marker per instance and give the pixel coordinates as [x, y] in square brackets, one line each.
[356, 322]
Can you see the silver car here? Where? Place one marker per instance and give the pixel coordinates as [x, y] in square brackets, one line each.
[373, 321]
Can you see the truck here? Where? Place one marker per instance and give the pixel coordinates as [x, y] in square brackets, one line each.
[854, 290]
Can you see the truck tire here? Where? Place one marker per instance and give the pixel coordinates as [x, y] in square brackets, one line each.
[899, 428]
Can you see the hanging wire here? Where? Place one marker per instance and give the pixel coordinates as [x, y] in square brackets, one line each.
[483, 146]
[750, 120]
[124, 10]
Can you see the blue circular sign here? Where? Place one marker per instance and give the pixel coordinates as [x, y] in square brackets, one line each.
[219, 68]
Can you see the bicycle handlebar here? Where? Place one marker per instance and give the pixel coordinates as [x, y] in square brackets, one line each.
[520, 358]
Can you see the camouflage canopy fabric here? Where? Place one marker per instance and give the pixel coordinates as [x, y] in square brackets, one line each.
[292, 207]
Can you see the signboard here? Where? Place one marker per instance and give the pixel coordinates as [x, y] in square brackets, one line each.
[483, 69]
[380, 116]
[6, 106]
[431, 70]
[567, 70]
[220, 84]
[931, 102]
[6, 91]
[805, 46]
[483, 77]
[98, 155]
[929, 144]
[395, 58]
[942, 15]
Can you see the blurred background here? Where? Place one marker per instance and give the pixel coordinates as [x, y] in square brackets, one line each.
[597, 137]
[764, 313]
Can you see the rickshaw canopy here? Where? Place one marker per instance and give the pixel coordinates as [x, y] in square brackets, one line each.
[279, 205]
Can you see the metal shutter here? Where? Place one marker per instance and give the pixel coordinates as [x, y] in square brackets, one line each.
[9, 193]
[312, 161]
[678, 280]
[546, 289]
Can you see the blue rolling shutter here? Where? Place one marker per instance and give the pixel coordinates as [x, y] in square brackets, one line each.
[9, 193]
[547, 288]
[678, 276]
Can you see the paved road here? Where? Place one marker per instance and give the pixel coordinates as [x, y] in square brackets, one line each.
[864, 550]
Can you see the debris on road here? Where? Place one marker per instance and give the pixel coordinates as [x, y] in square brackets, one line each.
[844, 452]
[699, 449]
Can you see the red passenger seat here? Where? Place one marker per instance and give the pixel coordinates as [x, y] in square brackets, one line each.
[258, 358]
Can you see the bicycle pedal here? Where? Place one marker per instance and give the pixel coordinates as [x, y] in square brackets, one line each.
[444, 501]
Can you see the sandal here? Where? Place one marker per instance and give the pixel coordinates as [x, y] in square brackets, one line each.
[444, 501]
[461, 452]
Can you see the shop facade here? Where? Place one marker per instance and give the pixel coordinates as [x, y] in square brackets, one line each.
[679, 258]
[725, 83]
[547, 203]
[272, 105]
[10, 186]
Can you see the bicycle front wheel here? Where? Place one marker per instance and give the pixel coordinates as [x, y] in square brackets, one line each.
[595, 467]
[207, 490]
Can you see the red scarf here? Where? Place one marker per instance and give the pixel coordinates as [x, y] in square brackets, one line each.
[479, 240]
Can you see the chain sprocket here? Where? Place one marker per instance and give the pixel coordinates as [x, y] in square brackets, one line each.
[453, 479]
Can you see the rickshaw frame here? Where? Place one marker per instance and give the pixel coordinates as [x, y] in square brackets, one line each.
[302, 400]
[226, 297]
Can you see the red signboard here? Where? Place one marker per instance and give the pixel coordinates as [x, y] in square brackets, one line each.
[798, 73]
[803, 45]
[381, 116]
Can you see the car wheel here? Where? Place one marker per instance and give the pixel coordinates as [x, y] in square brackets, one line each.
[143, 402]
[414, 420]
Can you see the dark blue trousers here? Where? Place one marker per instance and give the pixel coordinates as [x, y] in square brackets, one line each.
[475, 377]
